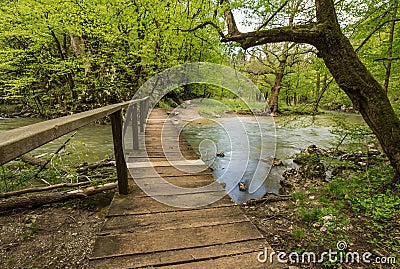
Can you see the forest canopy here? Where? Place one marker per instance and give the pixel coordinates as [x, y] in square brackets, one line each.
[67, 56]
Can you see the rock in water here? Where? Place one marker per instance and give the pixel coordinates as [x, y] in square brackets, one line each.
[277, 162]
[242, 186]
[220, 154]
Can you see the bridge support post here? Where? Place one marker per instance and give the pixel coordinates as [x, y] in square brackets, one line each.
[116, 123]
[135, 131]
[142, 115]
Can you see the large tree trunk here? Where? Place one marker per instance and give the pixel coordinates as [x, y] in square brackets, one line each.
[367, 95]
[365, 92]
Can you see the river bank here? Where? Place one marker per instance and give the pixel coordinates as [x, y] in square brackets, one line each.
[333, 200]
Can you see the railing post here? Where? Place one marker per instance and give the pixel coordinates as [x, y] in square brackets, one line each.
[142, 115]
[135, 132]
[116, 123]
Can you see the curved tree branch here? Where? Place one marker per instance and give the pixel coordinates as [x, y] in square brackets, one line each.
[307, 33]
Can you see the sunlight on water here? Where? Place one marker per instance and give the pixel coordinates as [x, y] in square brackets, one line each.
[291, 137]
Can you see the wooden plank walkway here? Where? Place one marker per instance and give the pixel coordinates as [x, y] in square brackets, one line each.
[141, 232]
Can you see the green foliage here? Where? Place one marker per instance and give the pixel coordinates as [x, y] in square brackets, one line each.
[307, 159]
[298, 233]
[74, 55]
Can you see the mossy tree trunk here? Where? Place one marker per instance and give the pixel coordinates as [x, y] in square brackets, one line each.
[367, 95]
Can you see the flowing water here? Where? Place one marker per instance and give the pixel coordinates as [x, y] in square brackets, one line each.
[250, 144]
[243, 146]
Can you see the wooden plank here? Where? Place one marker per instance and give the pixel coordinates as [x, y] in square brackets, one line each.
[180, 256]
[166, 240]
[184, 175]
[176, 181]
[166, 171]
[159, 192]
[116, 124]
[197, 162]
[133, 159]
[190, 181]
[130, 205]
[173, 220]
[157, 154]
[247, 260]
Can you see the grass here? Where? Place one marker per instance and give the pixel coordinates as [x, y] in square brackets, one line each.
[351, 207]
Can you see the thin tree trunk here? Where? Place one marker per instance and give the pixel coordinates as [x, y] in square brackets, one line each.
[276, 88]
[324, 88]
[318, 85]
[388, 65]
[51, 187]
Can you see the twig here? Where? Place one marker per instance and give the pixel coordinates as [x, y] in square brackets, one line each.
[58, 150]
[203, 25]
[373, 32]
[273, 15]
[387, 59]
[103, 163]
[33, 161]
[341, 142]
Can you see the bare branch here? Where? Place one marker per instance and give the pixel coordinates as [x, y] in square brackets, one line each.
[373, 32]
[387, 59]
[273, 15]
[203, 25]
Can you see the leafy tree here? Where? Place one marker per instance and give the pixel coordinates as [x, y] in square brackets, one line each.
[60, 56]
[324, 32]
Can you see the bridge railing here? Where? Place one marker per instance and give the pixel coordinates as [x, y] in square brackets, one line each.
[15, 142]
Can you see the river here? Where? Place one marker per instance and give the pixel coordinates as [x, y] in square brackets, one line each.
[241, 147]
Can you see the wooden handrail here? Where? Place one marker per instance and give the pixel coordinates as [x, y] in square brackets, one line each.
[15, 142]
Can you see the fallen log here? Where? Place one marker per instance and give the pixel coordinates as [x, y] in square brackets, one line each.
[91, 166]
[42, 199]
[268, 197]
[47, 188]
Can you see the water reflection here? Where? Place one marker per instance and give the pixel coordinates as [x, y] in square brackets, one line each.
[261, 144]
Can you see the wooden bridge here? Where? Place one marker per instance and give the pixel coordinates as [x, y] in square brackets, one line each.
[140, 231]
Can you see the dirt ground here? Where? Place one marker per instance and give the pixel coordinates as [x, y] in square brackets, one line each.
[56, 236]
